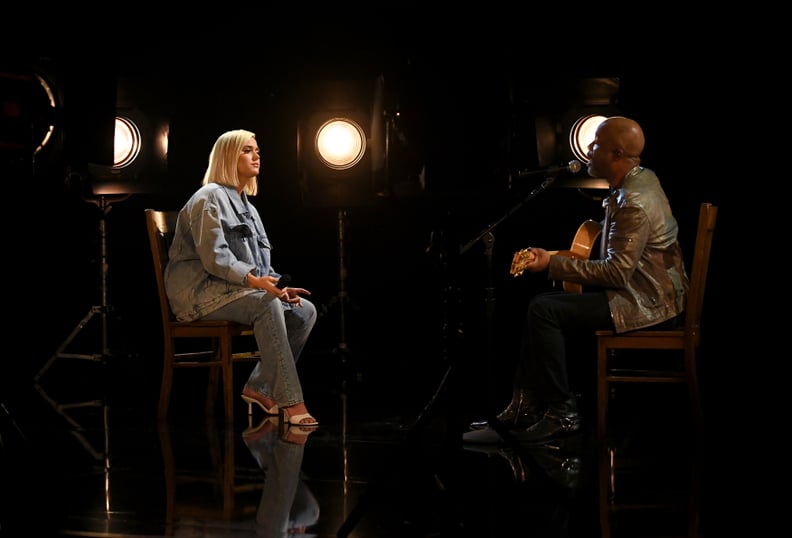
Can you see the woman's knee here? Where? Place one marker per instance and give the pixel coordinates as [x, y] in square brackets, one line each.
[309, 310]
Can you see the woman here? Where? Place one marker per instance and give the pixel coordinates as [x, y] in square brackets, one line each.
[220, 268]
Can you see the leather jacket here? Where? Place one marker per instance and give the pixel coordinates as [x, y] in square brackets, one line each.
[640, 267]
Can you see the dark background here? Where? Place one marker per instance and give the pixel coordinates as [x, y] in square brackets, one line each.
[466, 110]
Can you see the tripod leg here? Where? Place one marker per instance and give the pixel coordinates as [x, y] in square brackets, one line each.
[354, 517]
[13, 423]
[429, 406]
[59, 352]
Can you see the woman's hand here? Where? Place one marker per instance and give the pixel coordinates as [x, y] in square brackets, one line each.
[270, 285]
[293, 295]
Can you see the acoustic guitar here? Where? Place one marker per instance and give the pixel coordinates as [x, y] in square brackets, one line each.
[585, 237]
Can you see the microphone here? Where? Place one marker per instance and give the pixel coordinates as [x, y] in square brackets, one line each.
[573, 166]
[283, 281]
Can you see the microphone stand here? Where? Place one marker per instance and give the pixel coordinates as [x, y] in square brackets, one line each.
[488, 239]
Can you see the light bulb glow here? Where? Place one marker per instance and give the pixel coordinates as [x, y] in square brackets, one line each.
[582, 134]
[127, 142]
[340, 143]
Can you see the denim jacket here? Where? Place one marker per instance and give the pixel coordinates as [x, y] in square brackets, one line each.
[219, 239]
[641, 266]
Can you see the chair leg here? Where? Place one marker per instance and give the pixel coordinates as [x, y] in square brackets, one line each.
[211, 390]
[602, 390]
[693, 389]
[228, 378]
[169, 464]
[604, 485]
[167, 383]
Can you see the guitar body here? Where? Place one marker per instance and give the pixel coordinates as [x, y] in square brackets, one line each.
[582, 244]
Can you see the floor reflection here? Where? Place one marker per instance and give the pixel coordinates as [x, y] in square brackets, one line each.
[287, 504]
[653, 490]
[369, 470]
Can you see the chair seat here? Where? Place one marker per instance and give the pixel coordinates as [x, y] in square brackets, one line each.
[221, 327]
[644, 333]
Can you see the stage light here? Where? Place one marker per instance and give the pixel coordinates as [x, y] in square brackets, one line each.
[565, 134]
[29, 112]
[52, 107]
[582, 133]
[340, 143]
[127, 142]
[140, 141]
[140, 146]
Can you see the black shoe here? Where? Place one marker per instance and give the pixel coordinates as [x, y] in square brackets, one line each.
[522, 412]
[563, 468]
[505, 417]
[484, 436]
[518, 469]
[481, 424]
[560, 420]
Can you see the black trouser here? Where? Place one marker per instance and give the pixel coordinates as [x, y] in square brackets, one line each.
[555, 321]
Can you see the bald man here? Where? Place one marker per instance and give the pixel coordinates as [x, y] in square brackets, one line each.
[638, 281]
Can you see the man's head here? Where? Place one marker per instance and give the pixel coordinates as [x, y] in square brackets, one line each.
[616, 149]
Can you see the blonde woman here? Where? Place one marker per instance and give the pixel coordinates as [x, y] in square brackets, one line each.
[221, 268]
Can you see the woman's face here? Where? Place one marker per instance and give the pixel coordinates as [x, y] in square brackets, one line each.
[249, 160]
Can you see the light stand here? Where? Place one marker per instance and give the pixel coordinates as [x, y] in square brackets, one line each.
[341, 298]
[104, 203]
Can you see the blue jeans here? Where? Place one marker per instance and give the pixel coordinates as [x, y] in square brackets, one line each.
[281, 331]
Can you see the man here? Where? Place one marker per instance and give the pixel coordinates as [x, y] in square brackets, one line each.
[638, 281]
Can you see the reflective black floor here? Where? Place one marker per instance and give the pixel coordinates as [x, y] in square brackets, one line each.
[83, 455]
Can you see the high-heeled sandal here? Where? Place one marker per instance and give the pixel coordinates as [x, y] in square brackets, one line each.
[267, 425]
[252, 398]
[296, 435]
[296, 420]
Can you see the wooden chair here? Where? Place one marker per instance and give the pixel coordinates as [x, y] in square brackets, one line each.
[685, 340]
[195, 344]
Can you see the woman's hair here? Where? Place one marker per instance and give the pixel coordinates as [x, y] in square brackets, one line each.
[223, 161]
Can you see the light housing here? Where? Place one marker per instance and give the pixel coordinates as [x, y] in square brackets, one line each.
[140, 149]
[341, 143]
[29, 118]
[564, 135]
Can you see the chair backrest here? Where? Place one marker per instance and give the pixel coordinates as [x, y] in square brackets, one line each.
[161, 226]
[708, 214]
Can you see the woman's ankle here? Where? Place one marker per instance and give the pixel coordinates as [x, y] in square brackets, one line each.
[250, 393]
[297, 409]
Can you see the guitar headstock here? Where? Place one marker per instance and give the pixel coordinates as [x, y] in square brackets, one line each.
[519, 261]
